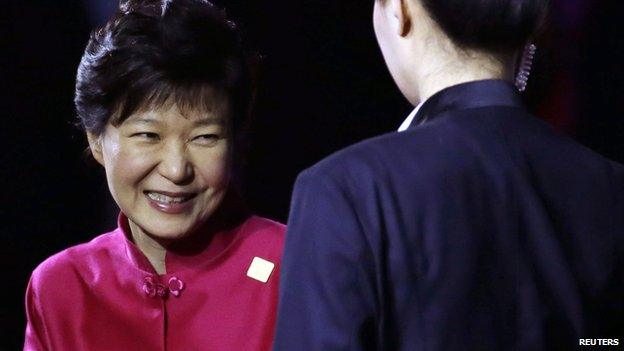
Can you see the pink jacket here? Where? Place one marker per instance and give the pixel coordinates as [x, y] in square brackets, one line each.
[105, 295]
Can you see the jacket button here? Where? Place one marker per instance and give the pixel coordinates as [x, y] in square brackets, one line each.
[175, 286]
[153, 288]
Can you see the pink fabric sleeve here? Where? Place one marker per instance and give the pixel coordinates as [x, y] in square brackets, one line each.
[36, 334]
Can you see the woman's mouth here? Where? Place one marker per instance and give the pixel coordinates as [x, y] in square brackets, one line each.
[170, 202]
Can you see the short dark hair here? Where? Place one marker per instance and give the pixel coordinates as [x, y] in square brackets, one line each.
[493, 25]
[155, 50]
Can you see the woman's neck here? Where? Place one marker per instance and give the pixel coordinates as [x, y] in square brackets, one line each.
[448, 73]
[434, 63]
[150, 247]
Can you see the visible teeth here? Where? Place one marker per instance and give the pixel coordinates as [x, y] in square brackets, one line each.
[164, 198]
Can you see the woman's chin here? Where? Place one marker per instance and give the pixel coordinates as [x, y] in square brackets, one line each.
[174, 232]
[169, 230]
[166, 227]
[168, 236]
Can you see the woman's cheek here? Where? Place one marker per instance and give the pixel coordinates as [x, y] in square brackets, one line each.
[130, 164]
[215, 169]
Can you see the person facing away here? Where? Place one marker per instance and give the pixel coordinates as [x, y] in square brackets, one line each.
[163, 93]
[477, 228]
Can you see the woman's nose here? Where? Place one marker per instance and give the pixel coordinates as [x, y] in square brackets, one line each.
[175, 165]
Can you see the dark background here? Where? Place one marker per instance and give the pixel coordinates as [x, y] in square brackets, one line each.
[323, 85]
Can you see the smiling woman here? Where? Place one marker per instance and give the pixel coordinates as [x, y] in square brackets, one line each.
[163, 92]
[168, 172]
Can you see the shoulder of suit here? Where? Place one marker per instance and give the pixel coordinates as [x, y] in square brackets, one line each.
[384, 151]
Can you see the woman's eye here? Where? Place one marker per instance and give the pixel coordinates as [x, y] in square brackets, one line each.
[208, 139]
[146, 135]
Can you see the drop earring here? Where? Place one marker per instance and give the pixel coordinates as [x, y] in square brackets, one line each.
[524, 67]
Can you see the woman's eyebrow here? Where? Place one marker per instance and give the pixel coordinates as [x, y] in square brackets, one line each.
[208, 121]
[204, 121]
[143, 120]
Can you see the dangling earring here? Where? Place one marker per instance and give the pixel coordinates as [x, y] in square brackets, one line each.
[524, 68]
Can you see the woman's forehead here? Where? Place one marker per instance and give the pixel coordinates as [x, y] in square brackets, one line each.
[176, 114]
[170, 103]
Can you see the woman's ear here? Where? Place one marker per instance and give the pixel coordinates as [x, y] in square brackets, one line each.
[401, 13]
[95, 145]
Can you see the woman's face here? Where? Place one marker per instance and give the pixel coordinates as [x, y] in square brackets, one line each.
[168, 172]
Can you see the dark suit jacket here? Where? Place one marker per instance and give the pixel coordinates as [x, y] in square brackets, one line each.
[478, 228]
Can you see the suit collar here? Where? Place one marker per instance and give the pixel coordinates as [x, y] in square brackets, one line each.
[469, 95]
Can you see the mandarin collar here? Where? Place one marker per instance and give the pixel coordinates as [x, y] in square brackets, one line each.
[475, 94]
[210, 242]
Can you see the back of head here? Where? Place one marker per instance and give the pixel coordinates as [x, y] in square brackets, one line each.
[490, 25]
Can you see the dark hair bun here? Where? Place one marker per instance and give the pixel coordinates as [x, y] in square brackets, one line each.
[488, 24]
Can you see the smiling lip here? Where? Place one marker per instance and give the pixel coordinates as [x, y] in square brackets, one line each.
[170, 202]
